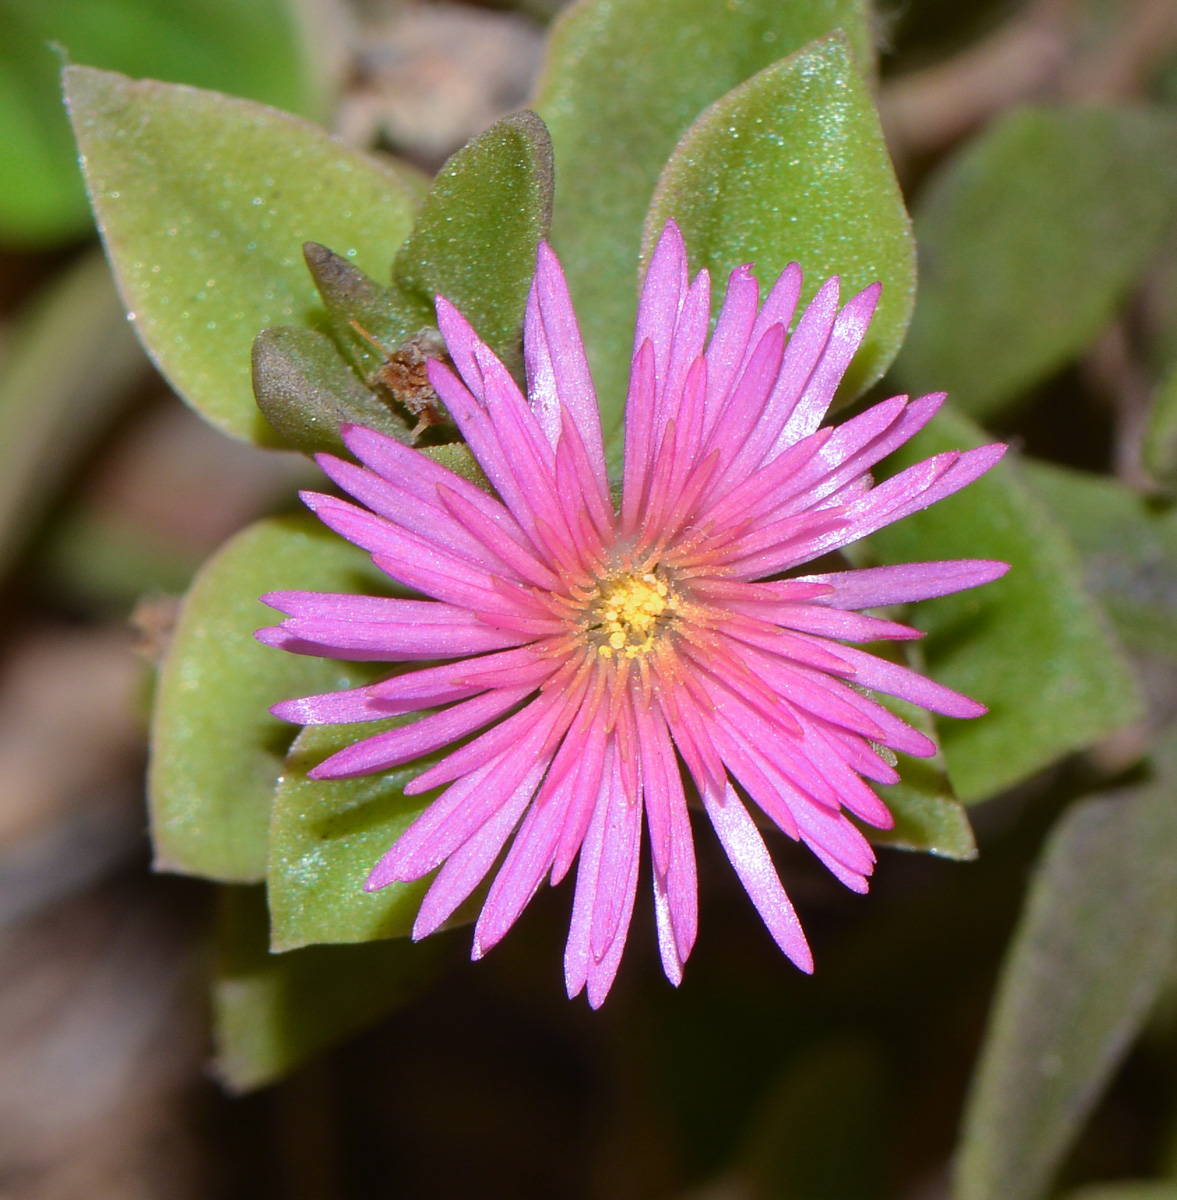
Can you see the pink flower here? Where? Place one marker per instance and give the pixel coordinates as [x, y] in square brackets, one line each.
[600, 651]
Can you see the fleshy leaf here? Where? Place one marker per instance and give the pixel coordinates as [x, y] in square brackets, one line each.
[70, 363]
[307, 391]
[792, 167]
[1029, 240]
[1032, 646]
[271, 1012]
[1094, 945]
[216, 751]
[621, 84]
[477, 233]
[204, 202]
[328, 834]
[926, 818]
[382, 313]
[1129, 549]
[261, 49]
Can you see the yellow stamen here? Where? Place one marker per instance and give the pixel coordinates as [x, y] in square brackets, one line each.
[630, 612]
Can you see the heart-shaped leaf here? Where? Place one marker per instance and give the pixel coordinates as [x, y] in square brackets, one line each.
[307, 391]
[327, 835]
[368, 320]
[261, 49]
[476, 237]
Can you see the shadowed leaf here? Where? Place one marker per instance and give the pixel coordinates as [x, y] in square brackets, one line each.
[1094, 945]
[1030, 238]
[272, 1012]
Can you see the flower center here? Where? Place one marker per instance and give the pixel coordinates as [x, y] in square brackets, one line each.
[629, 612]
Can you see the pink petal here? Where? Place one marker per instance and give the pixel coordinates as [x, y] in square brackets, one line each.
[845, 338]
[729, 343]
[749, 856]
[466, 867]
[661, 298]
[461, 341]
[418, 738]
[577, 954]
[527, 862]
[878, 587]
[894, 680]
[552, 336]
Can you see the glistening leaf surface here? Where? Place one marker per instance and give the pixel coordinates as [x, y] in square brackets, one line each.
[792, 167]
[216, 751]
[204, 202]
[1029, 240]
[1033, 646]
[615, 115]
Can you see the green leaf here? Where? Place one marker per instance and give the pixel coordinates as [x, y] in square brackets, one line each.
[271, 1012]
[382, 313]
[792, 167]
[205, 202]
[926, 819]
[927, 814]
[70, 363]
[1160, 438]
[1030, 239]
[479, 227]
[327, 835]
[1128, 544]
[1032, 646]
[216, 751]
[1092, 949]
[261, 49]
[307, 391]
[621, 84]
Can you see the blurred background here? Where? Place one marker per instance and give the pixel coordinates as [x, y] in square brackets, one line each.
[749, 1081]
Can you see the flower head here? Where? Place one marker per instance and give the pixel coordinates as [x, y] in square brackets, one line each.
[595, 664]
